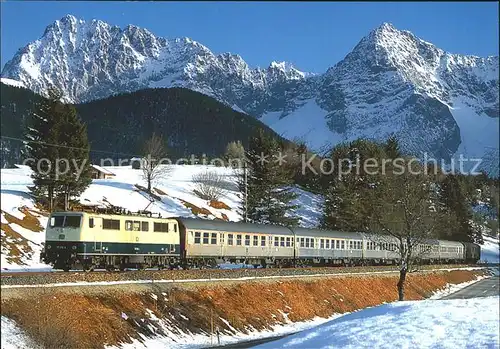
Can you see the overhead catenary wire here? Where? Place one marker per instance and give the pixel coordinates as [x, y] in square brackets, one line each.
[68, 147]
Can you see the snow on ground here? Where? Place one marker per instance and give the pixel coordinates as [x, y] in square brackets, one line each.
[120, 190]
[458, 323]
[183, 340]
[490, 250]
[176, 338]
[12, 336]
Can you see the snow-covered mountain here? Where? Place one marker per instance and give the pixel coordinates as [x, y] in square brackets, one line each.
[392, 82]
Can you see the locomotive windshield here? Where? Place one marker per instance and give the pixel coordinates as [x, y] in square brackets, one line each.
[65, 221]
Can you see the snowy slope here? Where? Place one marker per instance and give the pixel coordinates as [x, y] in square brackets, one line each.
[392, 82]
[11, 82]
[490, 251]
[446, 324]
[121, 191]
[13, 336]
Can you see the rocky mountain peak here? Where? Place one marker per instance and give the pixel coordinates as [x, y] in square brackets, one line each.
[392, 82]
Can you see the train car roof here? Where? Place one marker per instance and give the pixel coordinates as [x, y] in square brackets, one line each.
[449, 243]
[326, 233]
[236, 227]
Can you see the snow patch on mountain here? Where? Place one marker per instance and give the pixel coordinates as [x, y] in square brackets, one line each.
[11, 82]
[307, 123]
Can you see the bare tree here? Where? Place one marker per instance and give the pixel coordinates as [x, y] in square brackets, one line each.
[151, 163]
[234, 154]
[209, 185]
[402, 210]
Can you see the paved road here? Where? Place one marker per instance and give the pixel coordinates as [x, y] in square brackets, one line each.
[484, 288]
[252, 343]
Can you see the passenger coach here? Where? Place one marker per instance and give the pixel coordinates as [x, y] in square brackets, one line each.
[209, 242]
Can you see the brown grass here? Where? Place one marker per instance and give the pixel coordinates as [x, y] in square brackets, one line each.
[159, 191]
[219, 205]
[195, 209]
[13, 242]
[93, 320]
[145, 190]
[16, 245]
[29, 221]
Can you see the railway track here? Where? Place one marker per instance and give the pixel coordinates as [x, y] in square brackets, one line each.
[56, 277]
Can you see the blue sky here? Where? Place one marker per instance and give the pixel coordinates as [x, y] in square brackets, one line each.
[312, 36]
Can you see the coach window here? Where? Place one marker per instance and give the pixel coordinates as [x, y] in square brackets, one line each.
[327, 244]
[213, 239]
[129, 225]
[238, 240]
[322, 243]
[91, 222]
[111, 224]
[197, 237]
[263, 241]
[206, 238]
[282, 241]
[255, 240]
[175, 228]
[288, 242]
[276, 241]
[302, 243]
[160, 227]
[145, 226]
[230, 239]
[136, 226]
[247, 240]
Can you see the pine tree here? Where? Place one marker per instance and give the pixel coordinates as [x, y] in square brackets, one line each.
[452, 199]
[73, 138]
[42, 135]
[235, 153]
[391, 148]
[268, 184]
[59, 152]
[349, 187]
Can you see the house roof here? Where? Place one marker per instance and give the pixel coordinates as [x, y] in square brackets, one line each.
[103, 170]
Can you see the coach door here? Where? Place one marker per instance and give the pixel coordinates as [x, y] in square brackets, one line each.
[95, 225]
[221, 248]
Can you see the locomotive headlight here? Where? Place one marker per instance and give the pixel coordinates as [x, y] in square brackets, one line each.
[74, 247]
[49, 247]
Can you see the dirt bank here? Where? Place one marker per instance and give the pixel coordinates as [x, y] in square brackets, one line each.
[92, 317]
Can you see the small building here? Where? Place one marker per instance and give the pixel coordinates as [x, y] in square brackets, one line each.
[139, 163]
[99, 172]
[136, 163]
